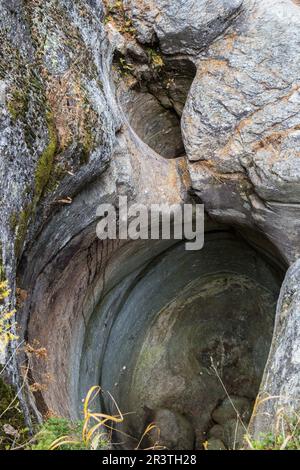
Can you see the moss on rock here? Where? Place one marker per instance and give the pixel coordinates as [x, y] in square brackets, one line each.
[11, 415]
[46, 160]
[17, 104]
[21, 228]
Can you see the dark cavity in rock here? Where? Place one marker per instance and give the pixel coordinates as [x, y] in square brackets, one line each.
[154, 107]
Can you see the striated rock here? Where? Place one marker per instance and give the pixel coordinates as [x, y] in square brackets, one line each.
[241, 123]
[244, 103]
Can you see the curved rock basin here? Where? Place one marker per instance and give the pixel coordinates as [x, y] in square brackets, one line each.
[175, 337]
[210, 112]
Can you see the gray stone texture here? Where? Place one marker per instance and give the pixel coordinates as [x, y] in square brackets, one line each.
[165, 102]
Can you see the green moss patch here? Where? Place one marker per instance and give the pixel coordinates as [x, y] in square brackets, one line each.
[46, 160]
[55, 428]
[17, 104]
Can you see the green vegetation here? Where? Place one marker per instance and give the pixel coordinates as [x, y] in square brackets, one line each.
[61, 434]
[93, 432]
[12, 426]
[87, 146]
[17, 105]
[46, 160]
[117, 14]
[55, 428]
[287, 439]
[88, 434]
[6, 324]
[19, 221]
[124, 68]
[13, 431]
[156, 59]
[19, 224]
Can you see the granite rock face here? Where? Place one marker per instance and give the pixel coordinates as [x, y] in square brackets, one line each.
[164, 102]
[280, 389]
[181, 26]
[241, 122]
[54, 114]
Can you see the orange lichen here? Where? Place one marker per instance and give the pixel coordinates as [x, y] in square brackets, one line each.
[211, 66]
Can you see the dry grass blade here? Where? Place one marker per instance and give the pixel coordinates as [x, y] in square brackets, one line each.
[64, 440]
[149, 428]
[93, 421]
[101, 418]
[260, 401]
[285, 443]
[248, 441]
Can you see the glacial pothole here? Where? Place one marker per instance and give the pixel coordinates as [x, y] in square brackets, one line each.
[178, 336]
[154, 107]
[169, 333]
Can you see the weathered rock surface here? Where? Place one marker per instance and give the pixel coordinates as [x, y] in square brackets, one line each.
[280, 390]
[173, 430]
[231, 408]
[98, 101]
[241, 123]
[232, 416]
[182, 26]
